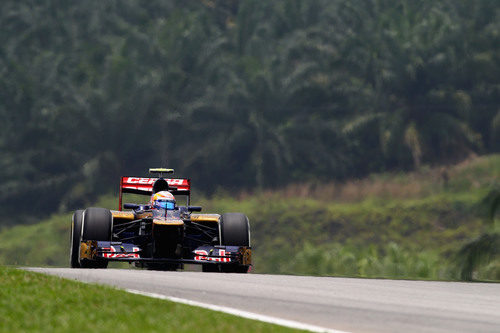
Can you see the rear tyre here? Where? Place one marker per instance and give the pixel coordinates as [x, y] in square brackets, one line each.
[97, 225]
[235, 231]
[76, 235]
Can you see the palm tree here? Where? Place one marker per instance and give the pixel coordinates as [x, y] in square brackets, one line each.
[267, 108]
[401, 54]
[238, 125]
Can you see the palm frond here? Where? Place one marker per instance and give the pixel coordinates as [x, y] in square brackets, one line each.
[360, 123]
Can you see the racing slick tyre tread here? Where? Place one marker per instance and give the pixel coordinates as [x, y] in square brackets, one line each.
[76, 233]
[97, 225]
[235, 231]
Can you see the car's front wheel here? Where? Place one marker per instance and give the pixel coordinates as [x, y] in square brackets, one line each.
[76, 235]
[235, 231]
[98, 226]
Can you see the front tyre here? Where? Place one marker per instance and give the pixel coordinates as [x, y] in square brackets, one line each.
[76, 235]
[98, 226]
[234, 231]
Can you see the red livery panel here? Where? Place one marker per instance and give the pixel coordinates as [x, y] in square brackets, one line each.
[146, 183]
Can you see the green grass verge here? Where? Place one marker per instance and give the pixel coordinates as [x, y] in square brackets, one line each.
[40, 303]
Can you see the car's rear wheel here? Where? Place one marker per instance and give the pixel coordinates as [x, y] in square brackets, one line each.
[234, 231]
[98, 226]
[76, 235]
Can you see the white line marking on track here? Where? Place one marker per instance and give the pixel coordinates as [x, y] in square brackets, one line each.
[240, 313]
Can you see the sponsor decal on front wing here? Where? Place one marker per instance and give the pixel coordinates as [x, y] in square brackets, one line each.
[124, 250]
[202, 255]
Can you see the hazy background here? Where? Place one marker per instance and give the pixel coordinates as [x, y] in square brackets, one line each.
[249, 96]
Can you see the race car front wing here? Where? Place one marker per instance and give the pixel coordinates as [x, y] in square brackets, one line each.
[127, 252]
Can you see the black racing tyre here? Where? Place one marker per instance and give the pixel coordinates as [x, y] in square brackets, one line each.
[76, 233]
[235, 231]
[97, 225]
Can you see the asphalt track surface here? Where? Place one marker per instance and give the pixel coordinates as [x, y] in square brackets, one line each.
[353, 305]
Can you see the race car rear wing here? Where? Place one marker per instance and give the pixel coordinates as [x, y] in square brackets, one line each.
[144, 185]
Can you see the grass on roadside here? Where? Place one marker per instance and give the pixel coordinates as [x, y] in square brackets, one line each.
[37, 302]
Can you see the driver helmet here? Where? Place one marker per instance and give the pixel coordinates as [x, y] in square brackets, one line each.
[163, 200]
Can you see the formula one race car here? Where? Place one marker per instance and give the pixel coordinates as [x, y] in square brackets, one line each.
[160, 234]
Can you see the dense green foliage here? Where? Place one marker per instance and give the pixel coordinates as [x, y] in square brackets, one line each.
[238, 94]
[486, 247]
[389, 225]
[33, 302]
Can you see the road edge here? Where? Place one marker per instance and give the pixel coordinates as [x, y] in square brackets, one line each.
[240, 313]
